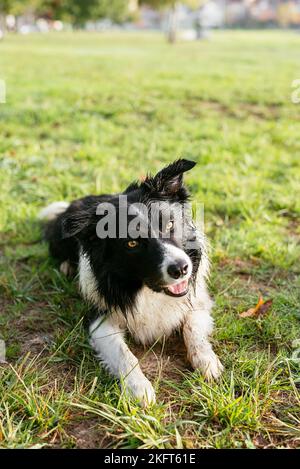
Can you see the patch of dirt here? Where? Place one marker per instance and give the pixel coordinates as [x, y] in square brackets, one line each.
[33, 330]
[4, 302]
[239, 265]
[293, 224]
[34, 343]
[166, 361]
[87, 434]
[275, 441]
[294, 230]
[244, 271]
[260, 281]
[239, 111]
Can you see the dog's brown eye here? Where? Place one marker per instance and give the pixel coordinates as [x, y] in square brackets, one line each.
[169, 225]
[132, 244]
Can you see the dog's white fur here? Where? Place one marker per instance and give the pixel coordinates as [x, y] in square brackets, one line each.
[53, 210]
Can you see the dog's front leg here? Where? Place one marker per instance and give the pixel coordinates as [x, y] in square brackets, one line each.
[107, 339]
[197, 327]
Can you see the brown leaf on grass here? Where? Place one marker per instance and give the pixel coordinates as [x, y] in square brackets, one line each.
[260, 309]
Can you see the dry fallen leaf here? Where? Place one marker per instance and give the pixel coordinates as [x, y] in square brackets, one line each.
[261, 308]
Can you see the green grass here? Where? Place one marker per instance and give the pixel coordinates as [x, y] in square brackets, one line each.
[88, 113]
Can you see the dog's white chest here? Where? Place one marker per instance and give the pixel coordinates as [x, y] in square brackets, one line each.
[156, 315]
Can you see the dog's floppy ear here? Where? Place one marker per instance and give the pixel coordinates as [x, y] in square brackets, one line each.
[169, 179]
[74, 223]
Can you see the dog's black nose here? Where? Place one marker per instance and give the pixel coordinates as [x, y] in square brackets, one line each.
[178, 270]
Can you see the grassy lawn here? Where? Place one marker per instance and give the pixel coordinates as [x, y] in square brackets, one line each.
[87, 114]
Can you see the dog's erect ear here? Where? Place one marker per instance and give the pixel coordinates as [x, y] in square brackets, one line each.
[169, 179]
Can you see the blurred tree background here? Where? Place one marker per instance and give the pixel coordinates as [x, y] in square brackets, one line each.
[76, 12]
[172, 6]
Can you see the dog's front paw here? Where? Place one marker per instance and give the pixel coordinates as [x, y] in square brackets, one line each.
[141, 389]
[214, 368]
[209, 364]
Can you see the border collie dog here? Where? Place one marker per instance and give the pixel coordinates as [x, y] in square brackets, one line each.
[142, 265]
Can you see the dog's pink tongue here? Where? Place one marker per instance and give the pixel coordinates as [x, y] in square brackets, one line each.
[178, 288]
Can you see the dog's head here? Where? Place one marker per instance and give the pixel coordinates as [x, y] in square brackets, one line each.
[141, 237]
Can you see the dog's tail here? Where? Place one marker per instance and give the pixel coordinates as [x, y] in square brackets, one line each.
[52, 211]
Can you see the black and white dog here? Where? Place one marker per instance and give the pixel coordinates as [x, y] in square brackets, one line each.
[143, 274]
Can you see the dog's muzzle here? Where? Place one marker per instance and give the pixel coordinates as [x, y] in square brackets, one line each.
[179, 271]
[177, 289]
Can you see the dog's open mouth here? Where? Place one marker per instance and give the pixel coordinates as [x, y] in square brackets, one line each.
[178, 289]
